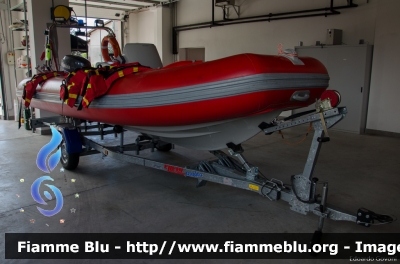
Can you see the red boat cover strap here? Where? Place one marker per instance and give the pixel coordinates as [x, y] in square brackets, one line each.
[93, 83]
[30, 86]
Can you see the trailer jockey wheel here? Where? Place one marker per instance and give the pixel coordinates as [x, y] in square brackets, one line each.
[68, 161]
[164, 148]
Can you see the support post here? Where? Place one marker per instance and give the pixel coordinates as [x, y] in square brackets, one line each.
[212, 14]
[313, 154]
[323, 207]
[121, 142]
[251, 172]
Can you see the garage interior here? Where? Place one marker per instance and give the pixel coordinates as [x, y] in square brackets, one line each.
[360, 161]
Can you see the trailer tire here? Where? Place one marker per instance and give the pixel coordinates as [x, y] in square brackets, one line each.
[164, 148]
[68, 161]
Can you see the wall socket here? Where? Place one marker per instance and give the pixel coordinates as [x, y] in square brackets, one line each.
[10, 57]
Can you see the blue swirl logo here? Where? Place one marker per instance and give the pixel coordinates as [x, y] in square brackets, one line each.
[53, 160]
[46, 150]
[36, 196]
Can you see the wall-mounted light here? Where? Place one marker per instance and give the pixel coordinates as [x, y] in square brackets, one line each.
[225, 5]
[222, 3]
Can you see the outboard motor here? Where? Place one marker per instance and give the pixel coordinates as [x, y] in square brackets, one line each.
[72, 62]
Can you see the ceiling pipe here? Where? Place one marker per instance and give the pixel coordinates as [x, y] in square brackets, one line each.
[326, 9]
[248, 20]
[331, 10]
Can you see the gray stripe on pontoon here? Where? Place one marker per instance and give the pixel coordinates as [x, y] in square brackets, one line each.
[215, 90]
[208, 91]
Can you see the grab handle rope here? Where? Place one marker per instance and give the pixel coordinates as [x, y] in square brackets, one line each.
[299, 142]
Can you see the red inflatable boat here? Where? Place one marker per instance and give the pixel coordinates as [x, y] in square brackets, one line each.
[200, 105]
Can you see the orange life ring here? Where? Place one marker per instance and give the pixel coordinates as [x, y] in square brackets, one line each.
[115, 46]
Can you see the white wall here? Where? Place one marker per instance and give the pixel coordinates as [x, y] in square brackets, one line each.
[95, 46]
[142, 26]
[166, 34]
[263, 37]
[384, 106]
[152, 25]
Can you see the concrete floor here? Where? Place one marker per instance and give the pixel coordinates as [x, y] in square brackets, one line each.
[115, 196]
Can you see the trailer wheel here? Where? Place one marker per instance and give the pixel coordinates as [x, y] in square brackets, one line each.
[164, 148]
[68, 161]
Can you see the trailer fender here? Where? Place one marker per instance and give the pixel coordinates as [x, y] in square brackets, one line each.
[72, 140]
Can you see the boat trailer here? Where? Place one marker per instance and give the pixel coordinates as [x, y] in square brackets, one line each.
[301, 194]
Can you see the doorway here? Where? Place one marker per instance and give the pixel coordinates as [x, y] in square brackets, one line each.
[192, 54]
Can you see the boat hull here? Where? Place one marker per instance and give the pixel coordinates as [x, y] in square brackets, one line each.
[209, 136]
[200, 106]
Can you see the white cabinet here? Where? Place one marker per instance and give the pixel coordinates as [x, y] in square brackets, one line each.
[349, 69]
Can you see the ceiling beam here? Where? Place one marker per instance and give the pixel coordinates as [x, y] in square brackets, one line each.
[101, 7]
[148, 1]
[109, 2]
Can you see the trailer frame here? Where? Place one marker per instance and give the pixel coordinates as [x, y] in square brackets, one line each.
[301, 195]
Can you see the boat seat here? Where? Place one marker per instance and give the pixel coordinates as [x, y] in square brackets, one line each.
[145, 54]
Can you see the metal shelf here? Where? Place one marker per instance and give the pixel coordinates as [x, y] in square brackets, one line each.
[18, 8]
[16, 45]
[12, 17]
[19, 29]
[21, 48]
